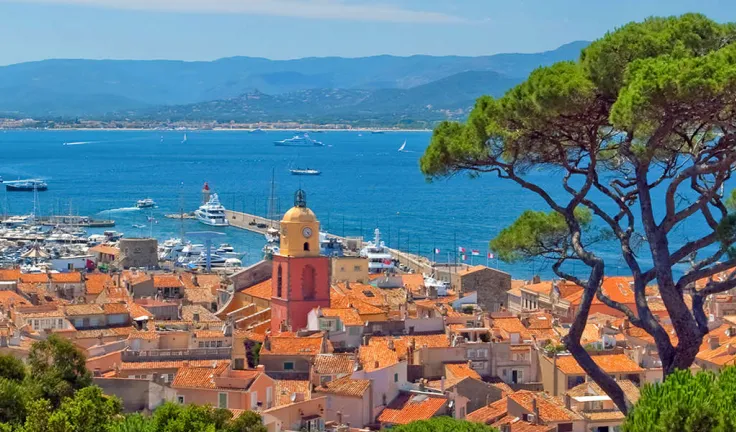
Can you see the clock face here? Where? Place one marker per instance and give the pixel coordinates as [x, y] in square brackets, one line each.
[307, 232]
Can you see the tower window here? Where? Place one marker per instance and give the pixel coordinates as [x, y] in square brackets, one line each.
[279, 282]
[308, 283]
[306, 246]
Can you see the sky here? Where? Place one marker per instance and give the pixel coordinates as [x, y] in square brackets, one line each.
[283, 29]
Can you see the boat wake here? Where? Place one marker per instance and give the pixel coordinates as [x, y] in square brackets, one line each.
[120, 210]
[81, 143]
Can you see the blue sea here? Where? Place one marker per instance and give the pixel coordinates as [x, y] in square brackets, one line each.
[365, 184]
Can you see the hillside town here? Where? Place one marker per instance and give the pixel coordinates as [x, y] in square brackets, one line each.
[329, 343]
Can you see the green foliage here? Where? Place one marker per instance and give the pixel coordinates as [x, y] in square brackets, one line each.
[172, 417]
[248, 421]
[12, 368]
[535, 233]
[58, 368]
[133, 423]
[89, 411]
[252, 353]
[13, 398]
[443, 424]
[705, 402]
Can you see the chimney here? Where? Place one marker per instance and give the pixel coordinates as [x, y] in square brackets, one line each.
[506, 427]
[375, 364]
[267, 343]
[442, 384]
[713, 342]
[261, 368]
[536, 279]
[391, 345]
[195, 317]
[535, 410]
[568, 401]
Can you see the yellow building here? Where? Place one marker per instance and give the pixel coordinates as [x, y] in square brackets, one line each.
[299, 231]
[349, 269]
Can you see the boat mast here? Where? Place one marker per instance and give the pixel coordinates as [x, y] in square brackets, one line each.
[181, 211]
[271, 206]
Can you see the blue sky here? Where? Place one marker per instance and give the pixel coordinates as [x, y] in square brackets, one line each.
[282, 29]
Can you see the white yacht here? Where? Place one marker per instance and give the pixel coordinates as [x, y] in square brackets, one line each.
[379, 257]
[189, 253]
[170, 250]
[272, 235]
[212, 213]
[145, 203]
[299, 141]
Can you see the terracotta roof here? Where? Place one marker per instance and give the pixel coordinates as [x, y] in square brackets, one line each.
[333, 364]
[489, 413]
[401, 343]
[7, 275]
[341, 301]
[41, 312]
[84, 309]
[115, 308]
[539, 321]
[723, 354]
[97, 282]
[72, 277]
[460, 371]
[199, 295]
[377, 356]
[260, 290]
[610, 363]
[286, 388]
[349, 317]
[293, 345]
[549, 409]
[510, 325]
[617, 288]
[631, 391]
[104, 249]
[204, 334]
[166, 281]
[135, 277]
[345, 386]
[187, 314]
[200, 376]
[381, 298]
[164, 364]
[144, 335]
[518, 425]
[413, 282]
[210, 282]
[500, 384]
[122, 332]
[34, 277]
[11, 298]
[470, 270]
[138, 311]
[408, 407]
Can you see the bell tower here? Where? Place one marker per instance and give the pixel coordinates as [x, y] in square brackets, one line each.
[301, 277]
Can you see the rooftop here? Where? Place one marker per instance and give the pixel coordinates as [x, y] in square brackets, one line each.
[409, 407]
[293, 345]
[345, 386]
[260, 290]
[333, 364]
[610, 363]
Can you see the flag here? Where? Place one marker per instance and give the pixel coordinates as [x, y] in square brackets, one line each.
[490, 255]
[475, 252]
[464, 257]
[436, 250]
[461, 249]
[387, 261]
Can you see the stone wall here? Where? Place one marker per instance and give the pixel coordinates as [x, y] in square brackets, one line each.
[490, 284]
[138, 253]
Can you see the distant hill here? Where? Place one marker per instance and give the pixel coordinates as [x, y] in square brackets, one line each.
[96, 87]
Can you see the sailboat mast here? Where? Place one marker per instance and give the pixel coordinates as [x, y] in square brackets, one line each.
[273, 186]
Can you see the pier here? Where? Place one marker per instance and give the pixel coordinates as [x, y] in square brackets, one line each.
[417, 263]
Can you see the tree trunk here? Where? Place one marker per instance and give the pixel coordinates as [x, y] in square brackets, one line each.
[607, 384]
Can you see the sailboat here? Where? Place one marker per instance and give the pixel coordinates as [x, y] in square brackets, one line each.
[403, 146]
[184, 139]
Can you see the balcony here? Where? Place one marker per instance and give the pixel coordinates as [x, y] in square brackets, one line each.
[222, 353]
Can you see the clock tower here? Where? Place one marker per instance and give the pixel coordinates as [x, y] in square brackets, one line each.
[301, 277]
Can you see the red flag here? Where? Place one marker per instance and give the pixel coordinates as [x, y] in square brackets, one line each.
[387, 261]
[436, 250]
[461, 249]
[475, 252]
[490, 255]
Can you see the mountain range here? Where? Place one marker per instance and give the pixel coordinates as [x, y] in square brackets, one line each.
[385, 88]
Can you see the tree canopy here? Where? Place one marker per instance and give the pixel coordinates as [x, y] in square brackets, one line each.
[687, 403]
[443, 424]
[641, 133]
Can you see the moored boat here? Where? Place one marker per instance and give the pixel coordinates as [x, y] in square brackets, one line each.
[299, 141]
[305, 171]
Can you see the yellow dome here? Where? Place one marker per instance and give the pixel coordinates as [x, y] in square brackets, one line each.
[299, 214]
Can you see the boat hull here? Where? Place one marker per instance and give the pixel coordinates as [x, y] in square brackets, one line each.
[283, 144]
[13, 188]
[214, 223]
[298, 173]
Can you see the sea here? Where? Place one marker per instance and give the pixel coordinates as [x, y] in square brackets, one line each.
[366, 184]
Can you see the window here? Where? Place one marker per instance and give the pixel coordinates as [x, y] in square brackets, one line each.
[269, 397]
[324, 379]
[308, 282]
[180, 399]
[288, 366]
[222, 400]
[219, 344]
[306, 246]
[279, 281]
[471, 353]
[396, 377]
[354, 330]
[169, 378]
[356, 268]
[239, 364]
[254, 400]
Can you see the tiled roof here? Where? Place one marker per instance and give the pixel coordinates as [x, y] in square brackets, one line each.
[122, 332]
[408, 407]
[286, 388]
[199, 295]
[413, 282]
[723, 354]
[9, 275]
[333, 364]
[610, 363]
[509, 325]
[617, 288]
[166, 281]
[144, 335]
[138, 311]
[377, 356]
[500, 384]
[631, 391]
[293, 345]
[97, 282]
[84, 309]
[380, 298]
[549, 409]
[187, 314]
[345, 386]
[341, 301]
[539, 321]
[260, 290]
[209, 282]
[489, 413]
[543, 287]
[203, 334]
[135, 277]
[72, 277]
[518, 425]
[115, 308]
[104, 249]
[164, 364]
[470, 270]
[34, 277]
[200, 376]
[460, 371]
[40, 313]
[349, 317]
[11, 298]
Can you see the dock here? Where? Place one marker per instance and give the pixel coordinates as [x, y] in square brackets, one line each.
[259, 224]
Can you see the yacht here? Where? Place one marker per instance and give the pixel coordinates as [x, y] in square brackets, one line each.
[216, 261]
[299, 141]
[145, 203]
[440, 286]
[227, 251]
[307, 171]
[378, 255]
[26, 186]
[212, 213]
[190, 253]
[403, 147]
[272, 235]
[330, 246]
[170, 250]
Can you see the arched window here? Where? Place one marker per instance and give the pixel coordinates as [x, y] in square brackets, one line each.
[306, 246]
[308, 282]
[279, 282]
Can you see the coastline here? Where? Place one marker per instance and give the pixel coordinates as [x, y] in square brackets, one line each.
[219, 129]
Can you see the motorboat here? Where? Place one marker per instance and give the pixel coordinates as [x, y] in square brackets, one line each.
[233, 263]
[299, 141]
[170, 250]
[227, 251]
[26, 186]
[379, 256]
[190, 253]
[145, 203]
[305, 172]
[212, 213]
[215, 261]
[272, 235]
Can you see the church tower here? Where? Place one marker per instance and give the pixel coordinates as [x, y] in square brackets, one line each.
[301, 277]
